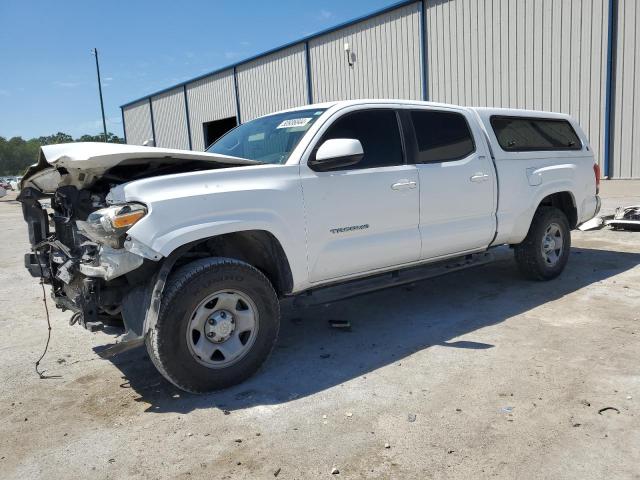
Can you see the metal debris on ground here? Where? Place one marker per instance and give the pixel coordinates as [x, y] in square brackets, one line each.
[340, 324]
[506, 409]
[596, 223]
[602, 410]
[411, 417]
[625, 218]
[277, 472]
[335, 471]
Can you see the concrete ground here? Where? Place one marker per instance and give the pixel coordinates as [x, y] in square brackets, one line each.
[479, 374]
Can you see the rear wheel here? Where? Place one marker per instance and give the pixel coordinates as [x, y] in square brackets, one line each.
[218, 323]
[544, 252]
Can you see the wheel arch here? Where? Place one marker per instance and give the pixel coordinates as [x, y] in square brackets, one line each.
[517, 223]
[565, 202]
[259, 248]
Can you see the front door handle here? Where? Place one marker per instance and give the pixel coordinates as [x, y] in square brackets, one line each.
[403, 185]
[479, 177]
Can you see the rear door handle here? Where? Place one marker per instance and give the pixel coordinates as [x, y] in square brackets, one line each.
[479, 177]
[403, 185]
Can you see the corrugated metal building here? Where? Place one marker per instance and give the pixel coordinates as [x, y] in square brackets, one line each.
[575, 56]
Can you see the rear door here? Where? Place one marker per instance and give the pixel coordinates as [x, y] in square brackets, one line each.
[457, 181]
[363, 217]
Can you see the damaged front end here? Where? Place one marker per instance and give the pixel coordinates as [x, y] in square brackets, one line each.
[79, 235]
[78, 247]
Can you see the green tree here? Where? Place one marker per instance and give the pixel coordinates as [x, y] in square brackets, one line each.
[16, 154]
[111, 138]
[54, 139]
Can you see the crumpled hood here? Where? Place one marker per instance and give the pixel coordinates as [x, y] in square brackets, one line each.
[81, 163]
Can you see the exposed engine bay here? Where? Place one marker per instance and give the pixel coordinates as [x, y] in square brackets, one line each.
[87, 277]
[79, 241]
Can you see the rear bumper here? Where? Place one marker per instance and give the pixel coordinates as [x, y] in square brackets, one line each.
[590, 208]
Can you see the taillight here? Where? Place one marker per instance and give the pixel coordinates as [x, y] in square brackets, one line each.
[596, 172]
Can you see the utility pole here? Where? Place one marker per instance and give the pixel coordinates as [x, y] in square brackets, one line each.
[94, 52]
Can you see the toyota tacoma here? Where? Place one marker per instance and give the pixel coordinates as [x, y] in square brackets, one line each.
[193, 251]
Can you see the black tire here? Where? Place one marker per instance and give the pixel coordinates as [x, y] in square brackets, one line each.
[167, 343]
[529, 254]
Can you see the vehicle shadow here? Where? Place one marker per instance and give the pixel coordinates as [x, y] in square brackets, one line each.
[387, 326]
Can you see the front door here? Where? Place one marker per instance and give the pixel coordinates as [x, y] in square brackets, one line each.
[362, 217]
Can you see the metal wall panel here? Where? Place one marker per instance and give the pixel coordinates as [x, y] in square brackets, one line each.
[625, 157]
[170, 119]
[387, 59]
[137, 122]
[536, 54]
[275, 82]
[211, 98]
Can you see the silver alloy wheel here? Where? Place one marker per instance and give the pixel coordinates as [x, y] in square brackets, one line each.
[552, 244]
[222, 328]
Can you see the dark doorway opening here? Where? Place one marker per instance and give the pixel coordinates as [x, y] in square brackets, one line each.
[214, 130]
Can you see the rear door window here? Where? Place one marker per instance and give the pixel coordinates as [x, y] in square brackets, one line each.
[524, 134]
[441, 136]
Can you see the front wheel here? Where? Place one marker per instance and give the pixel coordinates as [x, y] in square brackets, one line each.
[218, 323]
[544, 252]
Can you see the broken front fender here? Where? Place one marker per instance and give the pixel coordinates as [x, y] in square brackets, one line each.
[141, 306]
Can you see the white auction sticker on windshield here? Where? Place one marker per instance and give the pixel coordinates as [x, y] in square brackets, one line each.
[294, 122]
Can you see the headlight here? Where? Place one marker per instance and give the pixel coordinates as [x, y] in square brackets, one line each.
[108, 225]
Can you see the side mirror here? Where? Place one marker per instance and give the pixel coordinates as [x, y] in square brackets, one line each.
[337, 153]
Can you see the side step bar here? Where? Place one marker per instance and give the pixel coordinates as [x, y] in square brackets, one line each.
[394, 278]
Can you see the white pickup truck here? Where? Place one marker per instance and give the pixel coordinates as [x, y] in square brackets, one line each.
[193, 251]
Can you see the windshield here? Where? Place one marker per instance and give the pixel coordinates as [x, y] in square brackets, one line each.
[269, 139]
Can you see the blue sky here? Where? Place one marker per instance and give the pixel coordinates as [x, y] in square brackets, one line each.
[47, 74]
